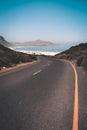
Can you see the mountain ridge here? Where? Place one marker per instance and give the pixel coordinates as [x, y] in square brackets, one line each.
[4, 42]
[35, 43]
[27, 43]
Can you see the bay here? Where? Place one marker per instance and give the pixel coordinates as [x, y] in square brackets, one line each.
[47, 50]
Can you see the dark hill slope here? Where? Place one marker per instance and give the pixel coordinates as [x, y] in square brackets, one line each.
[4, 42]
[10, 58]
[77, 53]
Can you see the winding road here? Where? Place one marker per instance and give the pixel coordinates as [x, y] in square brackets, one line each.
[39, 97]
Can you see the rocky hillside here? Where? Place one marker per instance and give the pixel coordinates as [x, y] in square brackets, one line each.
[77, 53]
[4, 42]
[10, 58]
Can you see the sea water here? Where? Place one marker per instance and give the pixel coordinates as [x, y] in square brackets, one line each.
[46, 50]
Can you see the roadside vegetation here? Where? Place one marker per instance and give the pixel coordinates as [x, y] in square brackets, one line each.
[78, 54]
[9, 58]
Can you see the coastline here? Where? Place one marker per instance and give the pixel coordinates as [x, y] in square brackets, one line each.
[47, 53]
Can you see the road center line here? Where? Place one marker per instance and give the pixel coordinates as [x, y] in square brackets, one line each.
[75, 115]
[37, 72]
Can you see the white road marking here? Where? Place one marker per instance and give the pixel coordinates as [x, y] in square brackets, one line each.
[37, 72]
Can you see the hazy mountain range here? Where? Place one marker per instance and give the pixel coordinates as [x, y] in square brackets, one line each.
[28, 43]
[33, 43]
[38, 43]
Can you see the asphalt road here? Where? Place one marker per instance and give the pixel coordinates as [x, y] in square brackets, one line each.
[38, 97]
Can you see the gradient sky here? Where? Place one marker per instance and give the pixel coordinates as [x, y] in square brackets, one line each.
[53, 20]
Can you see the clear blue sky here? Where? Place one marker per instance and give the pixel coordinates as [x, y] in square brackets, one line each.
[53, 20]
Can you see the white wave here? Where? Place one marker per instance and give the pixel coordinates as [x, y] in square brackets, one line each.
[39, 53]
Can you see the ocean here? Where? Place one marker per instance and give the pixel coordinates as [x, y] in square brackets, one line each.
[46, 50]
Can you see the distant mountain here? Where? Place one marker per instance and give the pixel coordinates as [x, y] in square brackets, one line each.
[34, 43]
[38, 43]
[10, 58]
[4, 42]
[29, 43]
[76, 53]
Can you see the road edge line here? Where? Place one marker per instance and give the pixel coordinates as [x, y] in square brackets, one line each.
[75, 114]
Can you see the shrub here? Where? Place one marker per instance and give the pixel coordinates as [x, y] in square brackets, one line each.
[84, 63]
